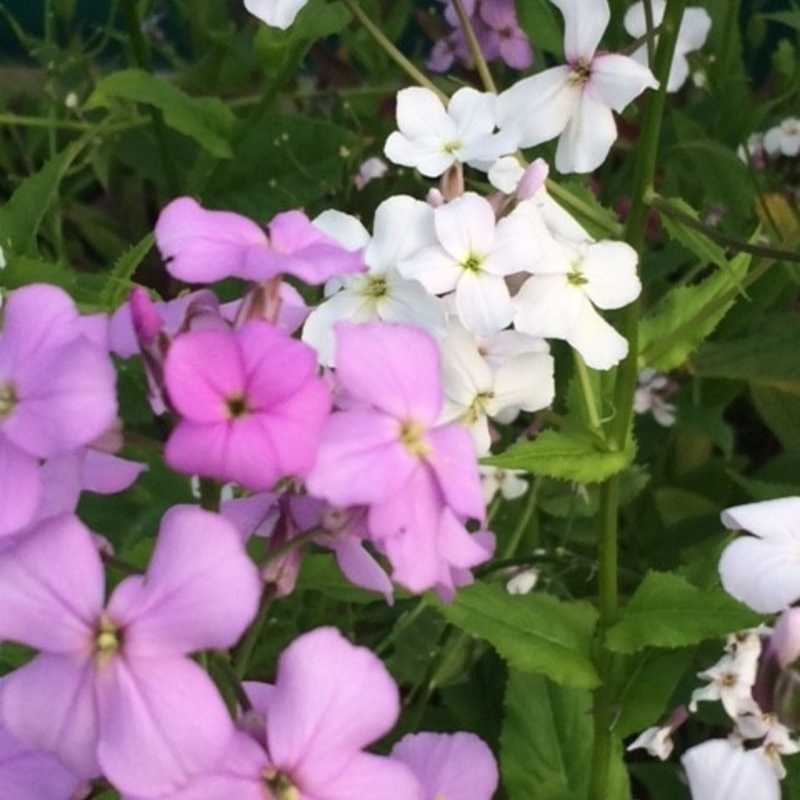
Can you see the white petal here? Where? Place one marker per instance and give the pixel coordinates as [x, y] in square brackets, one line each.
[617, 80]
[720, 770]
[466, 226]
[526, 382]
[408, 301]
[764, 575]
[598, 343]
[585, 21]
[420, 113]
[610, 271]
[483, 303]
[402, 226]
[473, 112]
[539, 106]
[695, 27]
[425, 154]
[434, 268]
[278, 13]
[585, 142]
[548, 306]
[777, 519]
[346, 229]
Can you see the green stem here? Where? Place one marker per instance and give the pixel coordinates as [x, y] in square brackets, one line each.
[210, 494]
[589, 400]
[392, 51]
[245, 650]
[474, 47]
[522, 525]
[619, 430]
[663, 205]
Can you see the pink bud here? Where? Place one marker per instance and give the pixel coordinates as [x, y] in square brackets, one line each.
[785, 640]
[532, 179]
[146, 319]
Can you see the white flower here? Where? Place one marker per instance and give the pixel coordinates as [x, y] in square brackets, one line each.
[277, 13]
[763, 570]
[695, 25]
[721, 770]
[571, 279]
[431, 138]
[575, 102]
[783, 139]
[731, 681]
[657, 741]
[370, 170]
[523, 582]
[649, 397]
[402, 226]
[778, 743]
[509, 482]
[474, 392]
[473, 256]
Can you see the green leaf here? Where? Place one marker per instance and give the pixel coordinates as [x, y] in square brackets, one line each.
[282, 161]
[22, 215]
[667, 611]
[768, 357]
[687, 315]
[546, 742]
[540, 22]
[207, 120]
[789, 18]
[707, 250]
[534, 633]
[569, 455]
[644, 684]
[22, 270]
[120, 282]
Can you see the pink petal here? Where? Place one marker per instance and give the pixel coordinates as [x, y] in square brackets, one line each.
[52, 609]
[162, 721]
[202, 246]
[105, 473]
[452, 765]
[49, 704]
[20, 487]
[203, 369]
[455, 465]
[394, 367]
[331, 698]
[364, 775]
[27, 774]
[185, 602]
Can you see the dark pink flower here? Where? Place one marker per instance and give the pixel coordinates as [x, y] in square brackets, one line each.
[250, 402]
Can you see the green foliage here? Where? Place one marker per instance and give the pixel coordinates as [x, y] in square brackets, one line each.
[667, 611]
[570, 455]
[206, 120]
[534, 633]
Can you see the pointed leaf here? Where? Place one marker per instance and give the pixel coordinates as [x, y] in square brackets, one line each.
[534, 633]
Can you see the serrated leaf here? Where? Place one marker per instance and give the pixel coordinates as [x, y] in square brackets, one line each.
[564, 454]
[667, 611]
[119, 282]
[546, 742]
[687, 315]
[207, 120]
[695, 241]
[533, 633]
[22, 215]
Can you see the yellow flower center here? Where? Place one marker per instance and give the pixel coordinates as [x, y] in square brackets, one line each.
[107, 641]
[280, 785]
[412, 436]
[8, 399]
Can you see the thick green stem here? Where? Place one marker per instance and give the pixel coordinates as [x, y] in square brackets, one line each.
[391, 50]
[619, 430]
[244, 651]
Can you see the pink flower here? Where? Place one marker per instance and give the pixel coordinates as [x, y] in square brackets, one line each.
[56, 394]
[251, 405]
[111, 690]
[203, 246]
[387, 451]
[456, 766]
[330, 700]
